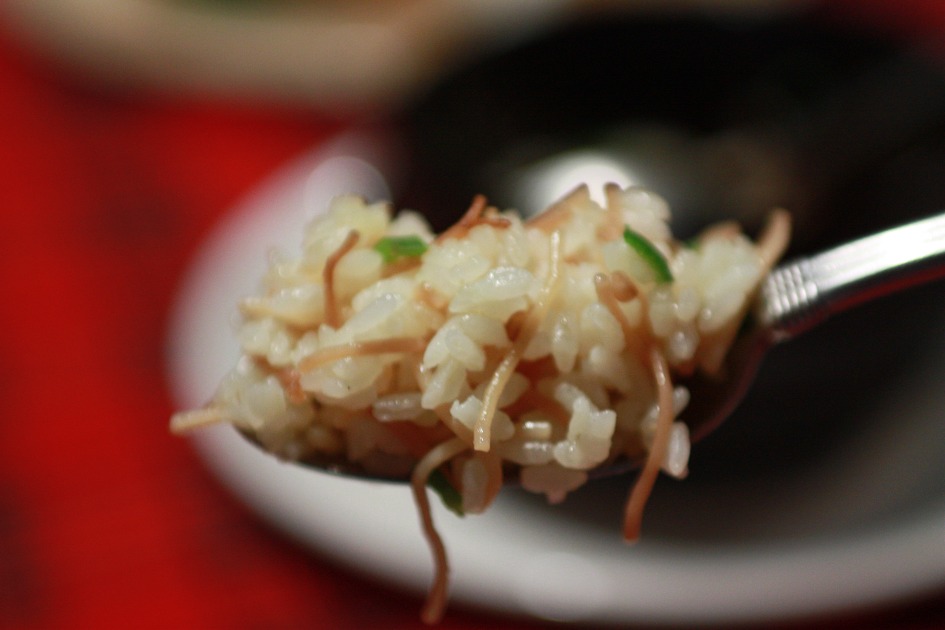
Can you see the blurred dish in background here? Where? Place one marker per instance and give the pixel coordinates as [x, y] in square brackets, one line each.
[332, 54]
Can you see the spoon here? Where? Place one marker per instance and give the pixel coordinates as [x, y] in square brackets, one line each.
[794, 298]
[798, 295]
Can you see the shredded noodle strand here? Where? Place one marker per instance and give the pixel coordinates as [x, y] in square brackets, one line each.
[437, 456]
[459, 229]
[189, 420]
[771, 245]
[610, 295]
[332, 315]
[773, 240]
[633, 511]
[393, 345]
[482, 431]
[552, 219]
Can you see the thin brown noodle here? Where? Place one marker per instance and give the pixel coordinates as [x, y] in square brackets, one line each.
[361, 348]
[436, 601]
[188, 420]
[554, 218]
[482, 430]
[610, 294]
[770, 246]
[478, 214]
[332, 316]
[773, 240]
[633, 511]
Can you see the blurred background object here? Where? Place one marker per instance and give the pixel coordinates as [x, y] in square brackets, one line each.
[333, 54]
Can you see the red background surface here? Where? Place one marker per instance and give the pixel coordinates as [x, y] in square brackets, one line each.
[105, 519]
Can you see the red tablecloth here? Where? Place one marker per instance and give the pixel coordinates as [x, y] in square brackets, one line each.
[105, 519]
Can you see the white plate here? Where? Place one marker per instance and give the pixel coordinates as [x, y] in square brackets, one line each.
[519, 556]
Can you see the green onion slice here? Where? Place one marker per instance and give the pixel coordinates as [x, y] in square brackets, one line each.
[648, 252]
[450, 496]
[396, 247]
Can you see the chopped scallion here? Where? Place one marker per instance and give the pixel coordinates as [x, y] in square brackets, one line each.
[450, 496]
[393, 248]
[648, 252]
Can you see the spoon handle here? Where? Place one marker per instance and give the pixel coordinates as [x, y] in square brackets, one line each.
[800, 294]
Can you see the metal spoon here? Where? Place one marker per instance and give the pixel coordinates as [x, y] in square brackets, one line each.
[799, 295]
[793, 298]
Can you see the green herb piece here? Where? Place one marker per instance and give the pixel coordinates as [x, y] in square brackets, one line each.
[650, 255]
[450, 496]
[396, 247]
